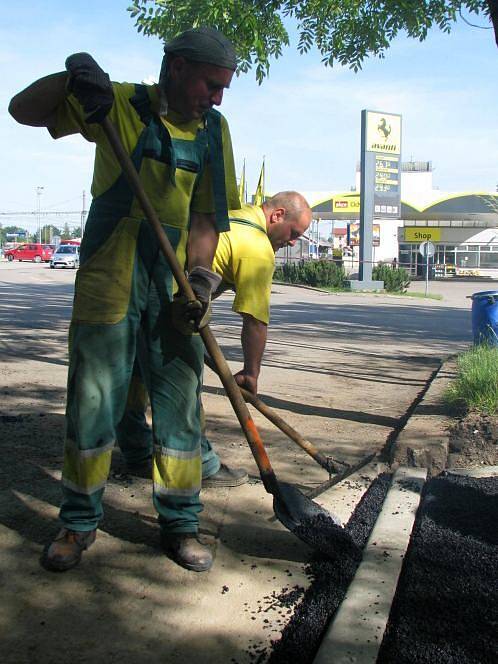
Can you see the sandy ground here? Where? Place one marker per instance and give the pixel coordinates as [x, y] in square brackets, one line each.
[343, 369]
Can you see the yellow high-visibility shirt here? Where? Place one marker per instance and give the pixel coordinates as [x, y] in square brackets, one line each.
[173, 204]
[245, 259]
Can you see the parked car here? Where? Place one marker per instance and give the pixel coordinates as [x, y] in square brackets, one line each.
[30, 252]
[66, 255]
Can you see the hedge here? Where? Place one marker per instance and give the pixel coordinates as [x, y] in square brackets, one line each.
[396, 279]
[311, 273]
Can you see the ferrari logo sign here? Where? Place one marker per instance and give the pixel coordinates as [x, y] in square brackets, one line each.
[383, 133]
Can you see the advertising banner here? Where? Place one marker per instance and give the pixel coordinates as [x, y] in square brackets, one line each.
[354, 235]
[384, 139]
[347, 205]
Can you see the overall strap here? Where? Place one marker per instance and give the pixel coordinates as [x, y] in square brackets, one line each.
[217, 163]
[157, 142]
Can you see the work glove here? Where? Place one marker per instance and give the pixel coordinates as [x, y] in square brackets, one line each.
[90, 85]
[189, 317]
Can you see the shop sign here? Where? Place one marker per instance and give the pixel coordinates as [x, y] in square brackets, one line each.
[422, 234]
[346, 204]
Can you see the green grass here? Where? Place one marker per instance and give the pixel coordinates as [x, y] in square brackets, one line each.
[335, 289]
[476, 385]
[429, 296]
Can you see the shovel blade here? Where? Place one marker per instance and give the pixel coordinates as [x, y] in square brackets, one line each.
[311, 523]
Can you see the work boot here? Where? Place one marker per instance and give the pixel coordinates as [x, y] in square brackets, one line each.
[67, 548]
[186, 550]
[225, 477]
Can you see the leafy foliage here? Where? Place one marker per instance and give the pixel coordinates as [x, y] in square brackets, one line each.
[311, 273]
[396, 279]
[344, 31]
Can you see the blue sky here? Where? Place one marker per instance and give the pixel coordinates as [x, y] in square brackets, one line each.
[305, 118]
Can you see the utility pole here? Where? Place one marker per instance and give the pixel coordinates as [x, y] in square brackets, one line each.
[83, 215]
[38, 208]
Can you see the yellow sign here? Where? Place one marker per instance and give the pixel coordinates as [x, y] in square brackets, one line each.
[383, 132]
[422, 234]
[346, 204]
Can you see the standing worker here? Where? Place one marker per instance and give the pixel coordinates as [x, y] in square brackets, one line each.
[182, 150]
[245, 261]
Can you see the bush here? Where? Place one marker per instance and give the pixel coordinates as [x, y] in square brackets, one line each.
[476, 386]
[311, 273]
[396, 279]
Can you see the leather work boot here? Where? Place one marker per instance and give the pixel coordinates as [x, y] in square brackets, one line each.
[186, 550]
[66, 549]
[225, 477]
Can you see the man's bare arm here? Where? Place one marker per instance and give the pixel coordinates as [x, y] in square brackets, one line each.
[253, 338]
[202, 240]
[36, 105]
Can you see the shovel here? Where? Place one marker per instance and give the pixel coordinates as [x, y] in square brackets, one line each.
[292, 508]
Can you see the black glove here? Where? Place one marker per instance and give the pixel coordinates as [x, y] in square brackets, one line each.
[190, 317]
[90, 85]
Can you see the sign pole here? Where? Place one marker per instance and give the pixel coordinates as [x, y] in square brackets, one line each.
[380, 185]
[426, 273]
[427, 249]
[366, 206]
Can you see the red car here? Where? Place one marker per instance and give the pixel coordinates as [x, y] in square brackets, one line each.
[30, 252]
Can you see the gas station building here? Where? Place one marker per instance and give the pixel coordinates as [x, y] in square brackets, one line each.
[463, 226]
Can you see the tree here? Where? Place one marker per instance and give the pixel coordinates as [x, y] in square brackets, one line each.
[10, 230]
[66, 233]
[344, 31]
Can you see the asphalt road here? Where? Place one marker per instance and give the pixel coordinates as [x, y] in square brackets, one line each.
[342, 368]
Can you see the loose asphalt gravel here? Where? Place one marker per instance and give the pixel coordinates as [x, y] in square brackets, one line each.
[446, 605]
[445, 609]
[330, 580]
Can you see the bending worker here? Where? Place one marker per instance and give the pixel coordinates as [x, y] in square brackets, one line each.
[181, 147]
[245, 261]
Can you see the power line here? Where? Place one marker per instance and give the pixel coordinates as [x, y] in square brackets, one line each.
[35, 213]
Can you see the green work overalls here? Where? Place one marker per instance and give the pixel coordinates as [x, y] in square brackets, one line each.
[124, 283]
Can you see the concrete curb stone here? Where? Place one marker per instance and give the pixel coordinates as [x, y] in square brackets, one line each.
[424, 441]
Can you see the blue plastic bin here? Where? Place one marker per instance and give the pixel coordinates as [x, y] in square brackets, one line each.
[485, 317]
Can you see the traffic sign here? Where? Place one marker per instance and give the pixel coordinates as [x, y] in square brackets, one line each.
[427, 249]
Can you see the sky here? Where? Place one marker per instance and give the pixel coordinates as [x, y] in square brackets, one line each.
[304, 120]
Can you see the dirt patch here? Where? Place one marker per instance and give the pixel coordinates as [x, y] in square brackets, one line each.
[473, 441]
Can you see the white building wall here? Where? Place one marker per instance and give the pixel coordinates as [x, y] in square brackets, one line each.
[388, 248]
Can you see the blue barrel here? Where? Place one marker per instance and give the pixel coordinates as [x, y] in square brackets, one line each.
[485, 317]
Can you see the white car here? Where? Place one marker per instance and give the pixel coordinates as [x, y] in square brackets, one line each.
[66, 255]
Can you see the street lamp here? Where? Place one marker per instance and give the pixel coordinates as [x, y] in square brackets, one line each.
[38, 209]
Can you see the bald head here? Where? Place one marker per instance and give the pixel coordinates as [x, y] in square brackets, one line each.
[288, 216]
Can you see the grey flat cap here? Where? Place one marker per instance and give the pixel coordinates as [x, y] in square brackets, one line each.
[204, 45]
